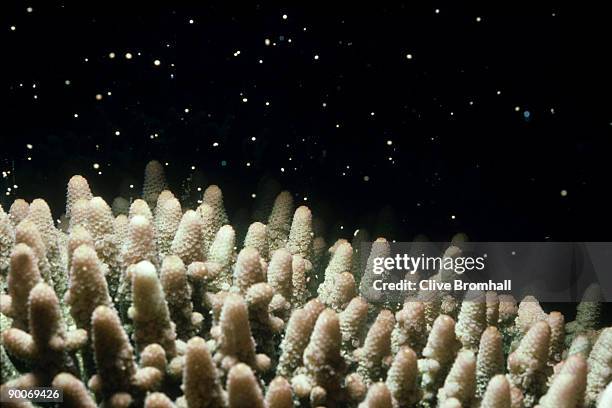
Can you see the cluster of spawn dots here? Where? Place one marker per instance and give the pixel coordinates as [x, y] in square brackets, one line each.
[292, 33]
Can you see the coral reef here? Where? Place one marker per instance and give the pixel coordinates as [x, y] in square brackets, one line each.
[154, 304]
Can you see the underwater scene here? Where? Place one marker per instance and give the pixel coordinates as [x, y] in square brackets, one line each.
[387, 206]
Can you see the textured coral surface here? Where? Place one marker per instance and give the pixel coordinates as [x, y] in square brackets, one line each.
[153, 304]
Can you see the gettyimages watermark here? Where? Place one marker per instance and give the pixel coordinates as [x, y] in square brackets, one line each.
[549, 271]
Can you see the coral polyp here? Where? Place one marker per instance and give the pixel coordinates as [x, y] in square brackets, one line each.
[154, 304]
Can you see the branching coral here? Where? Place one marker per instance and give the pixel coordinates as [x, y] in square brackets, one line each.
[280, 279]
[168, 215]
[47, 346]
[78, 188]
[23, 276]
[205, 321]
[75, 394]
[140, 207]
[527, 364]
[117, 374]
[380, 249]
[529, 312]
[342, 292]
[279, 394]
[264, 324]
[322, 360]
[173, 278]
[402, 378]
[242, 388]
[497, 394]
[88, 288]
[378, 396]
[200, 380]
[352, 323]
[188, 241]
[40, 216]
[257, 238]
[297, 334]
[472, 320]
[149, 311]
[220, 258]
[460, 382]
[101, 226]
[279, 222]
[27, 233]
[340, 262]
[18, 211]
[490, 359]
[600, 366]
[158, 400]
[236, 344]
[154, 182]
[438, 356]
[587, 313]
[248, 270]
[140, 244]
[299, 280]
[556, 321]
[376, 350]
[120, 206]
[567, 388]
[300, 234]
[411, 328]
[214, 198]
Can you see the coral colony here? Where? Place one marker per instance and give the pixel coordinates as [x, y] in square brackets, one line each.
[153, 304]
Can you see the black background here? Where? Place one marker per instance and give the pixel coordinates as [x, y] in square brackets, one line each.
[499, 173]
